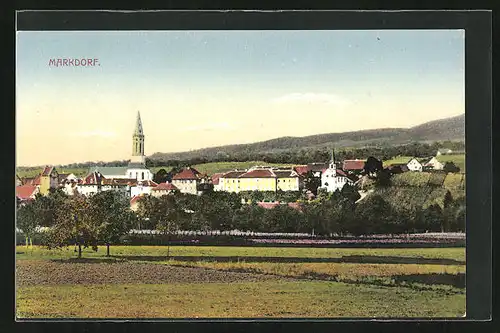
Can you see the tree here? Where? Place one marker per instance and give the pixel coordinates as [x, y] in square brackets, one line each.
[168, 215]
[372, 166]
[161, 176]
[448, 212]
[28, 219]
[111, 213]
[74, 224]
[433, 217]
[311, 182]
[383, 178]
[373, 215]
[451, 167]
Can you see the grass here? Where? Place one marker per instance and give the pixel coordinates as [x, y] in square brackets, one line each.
[38, 252]
[458, 159]
[215, 167]
[238, 300]
[400, 283]
[32, 172]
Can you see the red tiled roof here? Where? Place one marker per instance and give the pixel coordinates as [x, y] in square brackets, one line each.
[258, 173]
[165, 187]
[353, 165]
[91, 179]
[47, 170]
[215, 178]
[25, 192]
[301, 169]
[148, 183]
[135, 199]
[285, 173]
[232, 174]
[188, 173]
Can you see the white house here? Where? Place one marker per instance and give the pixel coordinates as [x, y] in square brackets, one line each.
[443, 151]
[216, 181]
[142, 187]
[414, 165]
[432, 163]
[187, 180]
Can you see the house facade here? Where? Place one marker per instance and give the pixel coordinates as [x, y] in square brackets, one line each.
[414, 165]
[143, 187]
[432, 163]
[287, 180]
[187, 180]
[49, 179]
[164, 189]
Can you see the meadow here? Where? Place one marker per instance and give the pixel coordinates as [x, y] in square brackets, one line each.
[238, 282]
[457, 159]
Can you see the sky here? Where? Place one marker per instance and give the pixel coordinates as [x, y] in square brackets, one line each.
[197, 89]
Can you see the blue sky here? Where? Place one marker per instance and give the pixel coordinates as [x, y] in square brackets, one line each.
[232, 86]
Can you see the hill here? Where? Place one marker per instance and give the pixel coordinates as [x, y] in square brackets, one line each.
[452, 129]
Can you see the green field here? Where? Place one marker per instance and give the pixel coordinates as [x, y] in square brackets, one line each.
[141, 281]
[458, 159]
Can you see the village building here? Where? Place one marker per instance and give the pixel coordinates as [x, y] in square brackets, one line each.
[414, 165]
[134, 202]
[353, 166]
[431, 163]
[188, 180]
[287, 180]
[142, 187]
[217, 182]
[333, 179]
[25, 193]
[164, 189]
[230, 182]
[48, 180]
[398, 168]
[257, 179]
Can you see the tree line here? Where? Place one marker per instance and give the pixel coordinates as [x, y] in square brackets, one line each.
[103, 218]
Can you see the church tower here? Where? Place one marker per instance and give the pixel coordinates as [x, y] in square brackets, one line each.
[138, 156]
[332, 161]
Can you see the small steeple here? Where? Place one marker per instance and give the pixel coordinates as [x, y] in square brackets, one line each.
[138, 126]
[332, 160]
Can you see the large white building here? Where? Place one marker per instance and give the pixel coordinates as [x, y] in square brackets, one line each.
[333, 179]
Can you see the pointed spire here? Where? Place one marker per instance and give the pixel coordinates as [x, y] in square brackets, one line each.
[138, 125]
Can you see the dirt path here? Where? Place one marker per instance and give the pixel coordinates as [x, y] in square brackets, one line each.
[38, 272]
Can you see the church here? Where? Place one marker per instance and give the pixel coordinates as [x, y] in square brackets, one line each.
[136, 168]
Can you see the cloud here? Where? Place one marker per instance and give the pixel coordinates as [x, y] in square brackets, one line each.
[211, 127]
[311, 98]
[105, 134]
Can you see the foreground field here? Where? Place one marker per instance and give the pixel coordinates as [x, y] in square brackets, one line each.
[240, 282]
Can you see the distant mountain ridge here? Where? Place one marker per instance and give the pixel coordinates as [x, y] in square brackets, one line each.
[452, 129]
